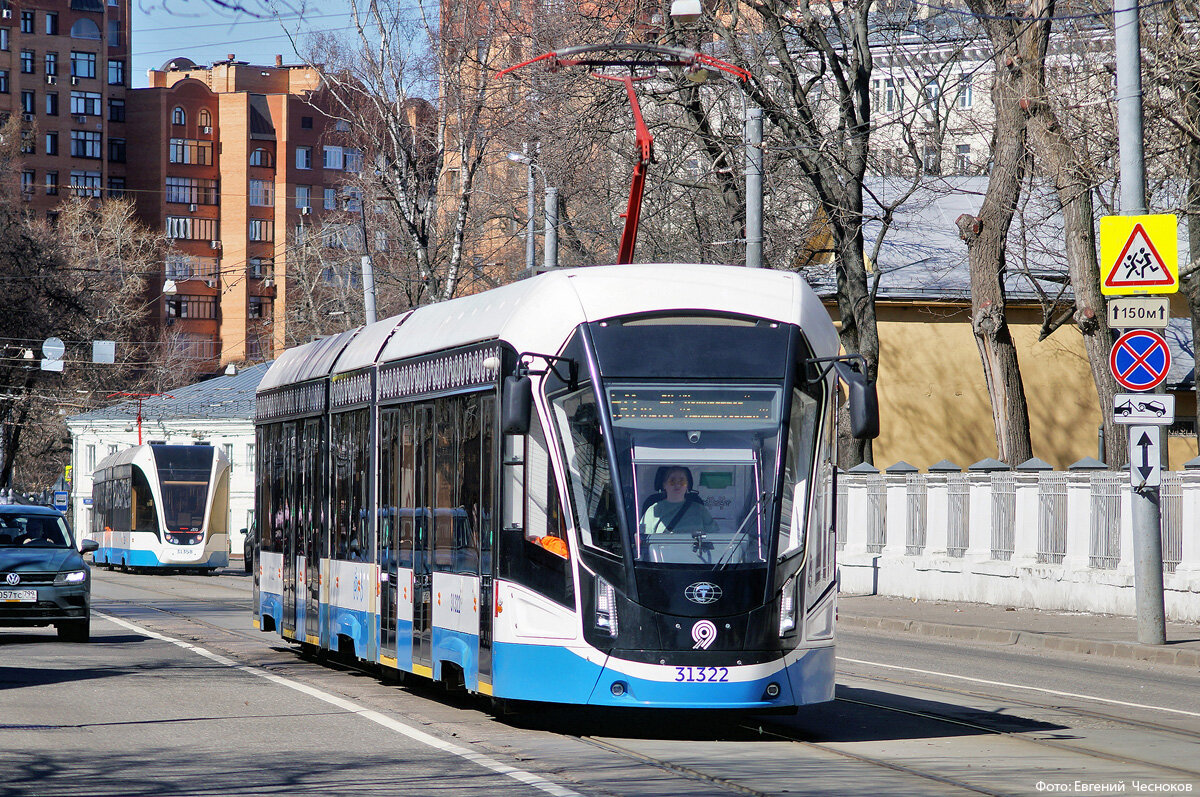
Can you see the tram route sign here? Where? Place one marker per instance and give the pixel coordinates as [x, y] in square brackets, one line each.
[1139, 255]
[1140, 360]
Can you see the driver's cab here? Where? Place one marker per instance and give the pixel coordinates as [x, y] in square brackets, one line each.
[717, 521]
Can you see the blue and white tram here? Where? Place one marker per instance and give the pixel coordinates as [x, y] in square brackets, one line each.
[162, 506]
[609, 486]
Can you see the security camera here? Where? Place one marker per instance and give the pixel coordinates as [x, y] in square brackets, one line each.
[693, 437]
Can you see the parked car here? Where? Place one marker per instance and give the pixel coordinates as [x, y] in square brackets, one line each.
[248, 549]
[43, 577]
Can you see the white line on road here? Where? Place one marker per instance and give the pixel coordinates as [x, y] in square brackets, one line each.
[416, 735]
[1019, 686]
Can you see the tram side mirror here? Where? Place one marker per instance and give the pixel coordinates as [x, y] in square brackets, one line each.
[864, 402]
[517, 405]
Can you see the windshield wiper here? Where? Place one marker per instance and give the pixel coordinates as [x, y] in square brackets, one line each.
[740, 533]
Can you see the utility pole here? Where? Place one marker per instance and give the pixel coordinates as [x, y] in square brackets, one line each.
[1146, 508]
[551, 255]
[531, 209]
[754, 188]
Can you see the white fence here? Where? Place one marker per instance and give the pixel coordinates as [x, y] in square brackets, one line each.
[1039, 539]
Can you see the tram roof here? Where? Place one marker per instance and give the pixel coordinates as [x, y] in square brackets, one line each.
[537, 314]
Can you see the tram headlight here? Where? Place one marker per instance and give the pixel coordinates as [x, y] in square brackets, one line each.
[606, 607]
[787, 606]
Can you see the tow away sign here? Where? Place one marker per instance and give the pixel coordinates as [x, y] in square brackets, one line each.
[1156, 409]
[1139, 254]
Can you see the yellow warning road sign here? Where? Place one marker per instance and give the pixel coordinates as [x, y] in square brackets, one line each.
[1139, 255]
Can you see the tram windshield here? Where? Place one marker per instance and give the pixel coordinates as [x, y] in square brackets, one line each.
[699, 462]
[183, 474]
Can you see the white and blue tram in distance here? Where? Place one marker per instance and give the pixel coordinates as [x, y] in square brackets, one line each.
[607, 486]
[159, 506]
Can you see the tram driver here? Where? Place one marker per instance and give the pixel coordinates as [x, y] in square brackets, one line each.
[678, 507]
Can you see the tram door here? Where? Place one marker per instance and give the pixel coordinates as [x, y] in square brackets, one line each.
[423, 536]
[290, 522]
[312, 478]
[389, 451]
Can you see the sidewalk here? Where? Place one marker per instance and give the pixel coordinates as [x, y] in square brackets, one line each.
[1072, 632]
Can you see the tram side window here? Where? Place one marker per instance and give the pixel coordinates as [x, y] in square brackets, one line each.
[145, 518]
[350, 439]
[797, 471]
[537, 555]
[270, 464]
[407, 501]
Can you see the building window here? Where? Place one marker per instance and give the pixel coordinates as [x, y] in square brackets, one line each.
[932, 162]
[304, 196]
[85, 144]
[191, 191]
[27, 21]
[180, 306]
[186, 267]
[353, 160]
[85, 103]
[262, 268]
[116, 150]
[116, 73]
[85, 184]
[52, 103]
[3, 80]
[330, 199]
[262, 230]
[27, 58]
[27, 143]
[261, 157]
[306, 123]
[51, 63]
[28, 178]
[114, 32]
[249, 457]
[204, 118]
[83, 64]
[262, 193]
[189, 228]
[85, 28]
[178, 116]
[116, 110]
[4, 45]
[966, 97]
[90, 458]
[333, 158]
[116, 187]
[28, 102]
[962, 158]
[255, 308]
[51, 23]
[191, 151]
[51, 183]
[932, 91]
[52, 142]
[303, 157]
[354, 200]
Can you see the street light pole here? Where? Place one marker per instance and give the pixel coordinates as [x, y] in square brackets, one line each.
[368, 265]
[551, 249]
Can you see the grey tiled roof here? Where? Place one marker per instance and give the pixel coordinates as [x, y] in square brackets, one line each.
[222, 397]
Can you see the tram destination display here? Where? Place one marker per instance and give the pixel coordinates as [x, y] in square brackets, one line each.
[652, 405]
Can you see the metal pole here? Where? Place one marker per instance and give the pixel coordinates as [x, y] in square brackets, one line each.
[754, 188]
[368, 268]
[531, 207]
[1147, 517]
[551, 254]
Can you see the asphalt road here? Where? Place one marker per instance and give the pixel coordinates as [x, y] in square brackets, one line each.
[179, 695]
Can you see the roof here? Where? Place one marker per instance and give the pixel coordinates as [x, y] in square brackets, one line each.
[219, 398]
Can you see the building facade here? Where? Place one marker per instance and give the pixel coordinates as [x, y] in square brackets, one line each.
[64, 69]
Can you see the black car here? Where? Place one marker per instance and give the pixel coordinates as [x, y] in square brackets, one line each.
[43, 578]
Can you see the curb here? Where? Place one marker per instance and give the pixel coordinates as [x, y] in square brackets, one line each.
[1128, 651]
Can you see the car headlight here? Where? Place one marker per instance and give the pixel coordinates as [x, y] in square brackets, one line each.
[71, 577]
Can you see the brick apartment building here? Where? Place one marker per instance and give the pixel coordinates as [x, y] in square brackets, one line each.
[231, 159]
[64, 67]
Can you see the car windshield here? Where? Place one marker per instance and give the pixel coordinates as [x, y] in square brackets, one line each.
[33, 531]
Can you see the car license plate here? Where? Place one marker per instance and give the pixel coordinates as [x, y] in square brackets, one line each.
[18, 595]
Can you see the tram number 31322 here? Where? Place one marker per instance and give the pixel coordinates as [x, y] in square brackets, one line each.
[702, 674]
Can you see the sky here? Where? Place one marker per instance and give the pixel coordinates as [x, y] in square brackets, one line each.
[205, 32]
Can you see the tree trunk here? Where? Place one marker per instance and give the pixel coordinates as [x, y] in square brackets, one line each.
[1074, 189]
[986, 236]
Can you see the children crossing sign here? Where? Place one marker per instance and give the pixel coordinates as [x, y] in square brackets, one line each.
[1139, 254]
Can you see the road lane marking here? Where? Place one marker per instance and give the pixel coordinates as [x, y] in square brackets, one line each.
[1020, 686]
[528, 778]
